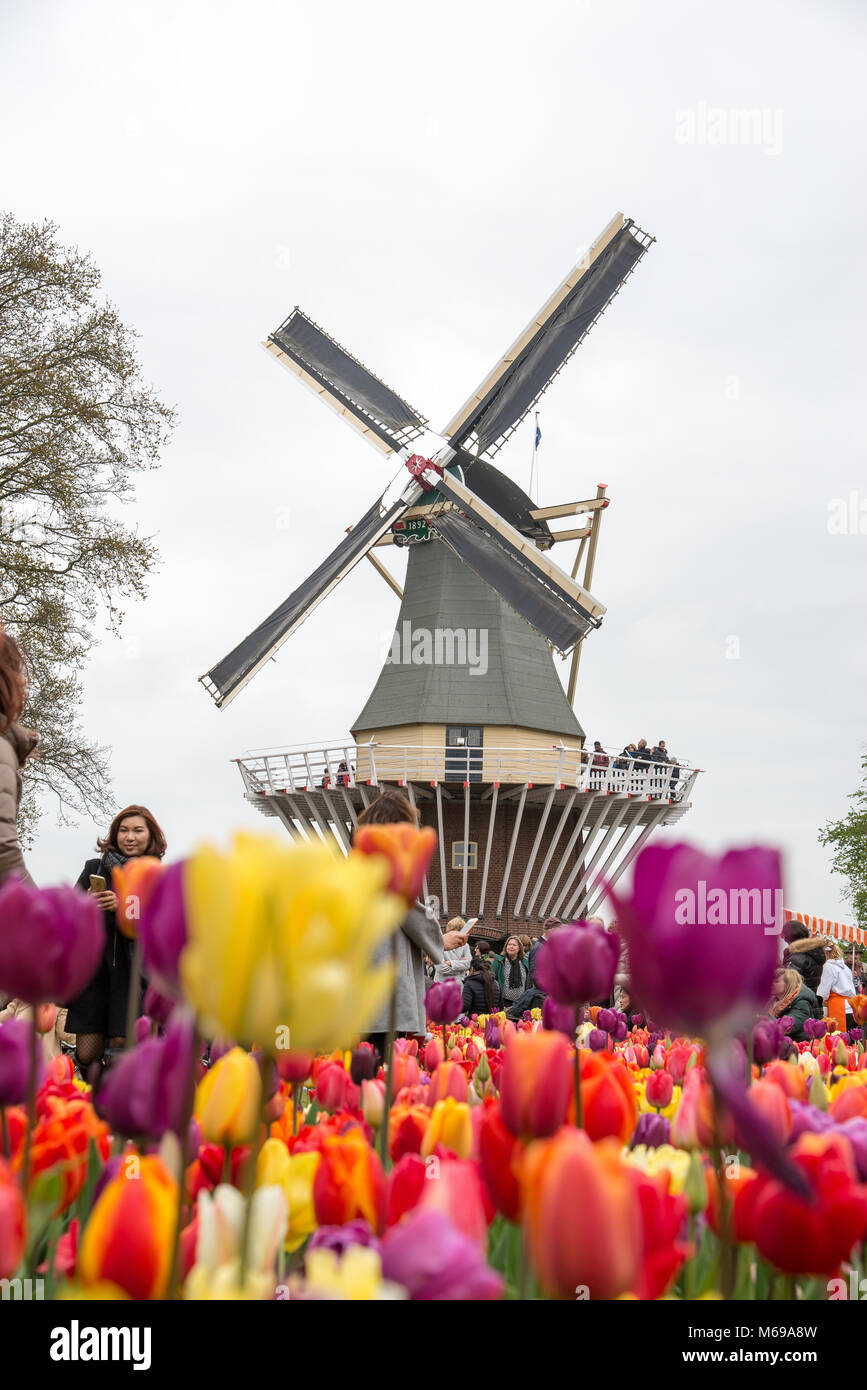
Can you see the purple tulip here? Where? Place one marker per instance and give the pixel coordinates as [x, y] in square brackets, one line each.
[637, 1020]
[606, 1020]
[363, 1064]
[815, 1028]
[142, 1029]
[576, 964]
[621, 1028]
[145, 1092]
[433, 1261]
[443, 1002]
[158, 1006]
[855, 1130]
[163, 930]
[558, 1018]
[15, 1043]
[652, 1129]
[597, 1041]
[807, 1119]
[788, 1048]
[51, 941]
[492, 1033]
[340, 1238]
[768, 1034]
[698, 967]
[752, 1129]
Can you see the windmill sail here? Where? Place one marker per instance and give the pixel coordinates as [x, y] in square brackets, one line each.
[545, 596]
[231, 674]
[344, 383]
[515, 384]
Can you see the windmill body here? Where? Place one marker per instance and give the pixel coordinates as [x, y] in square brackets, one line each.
[468, 715]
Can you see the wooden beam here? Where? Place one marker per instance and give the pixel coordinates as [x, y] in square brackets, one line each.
[596, 503]
[389, 579]
[577, 535]
[588, 578]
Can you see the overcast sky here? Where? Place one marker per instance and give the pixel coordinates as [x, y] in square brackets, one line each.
[419, 178]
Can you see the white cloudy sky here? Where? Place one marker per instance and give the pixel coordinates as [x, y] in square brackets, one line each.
[419, 178]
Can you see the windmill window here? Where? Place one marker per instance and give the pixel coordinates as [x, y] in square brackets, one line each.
[465, 853]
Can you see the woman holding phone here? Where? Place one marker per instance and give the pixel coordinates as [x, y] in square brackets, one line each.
[99, 1012]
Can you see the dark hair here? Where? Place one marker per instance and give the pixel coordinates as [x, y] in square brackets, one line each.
[513, 937]
[794, 930]
[483, 948]
[389, 809]
[481, 968]
[156, 843]
[12, 687]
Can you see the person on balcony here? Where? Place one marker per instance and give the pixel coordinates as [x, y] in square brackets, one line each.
[627, 757]
[342, 775]
[642, 756]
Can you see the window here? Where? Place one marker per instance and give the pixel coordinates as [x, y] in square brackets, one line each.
[464, 852]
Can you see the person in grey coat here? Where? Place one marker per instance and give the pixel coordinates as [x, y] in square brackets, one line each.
[419, 935]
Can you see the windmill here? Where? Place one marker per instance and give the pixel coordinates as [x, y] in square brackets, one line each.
[486, 754]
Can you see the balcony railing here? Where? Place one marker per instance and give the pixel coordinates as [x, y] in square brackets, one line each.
[330, 766]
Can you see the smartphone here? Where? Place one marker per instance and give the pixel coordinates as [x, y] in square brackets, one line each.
[97, 883]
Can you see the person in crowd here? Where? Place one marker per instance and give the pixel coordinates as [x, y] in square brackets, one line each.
[511, 971]
[550, 924]
[804, 953]
[457, 960]
[342, 774]
[600, 757]
[481, 992]
[793, 999]
[417, 935]
[16, 746]
[485, 949]
[836, 987]
[526, 945]
[99, 1011]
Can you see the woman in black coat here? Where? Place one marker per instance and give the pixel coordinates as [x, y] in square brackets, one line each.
[481, 993]
[99, 1011]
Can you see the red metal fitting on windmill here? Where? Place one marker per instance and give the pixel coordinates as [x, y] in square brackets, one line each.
[418, 465]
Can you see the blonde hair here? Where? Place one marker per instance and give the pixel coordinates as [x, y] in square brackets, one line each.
[789, 980]
[456, 924]
[833, 951]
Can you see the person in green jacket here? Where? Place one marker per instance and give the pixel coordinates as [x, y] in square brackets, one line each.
[793, 999]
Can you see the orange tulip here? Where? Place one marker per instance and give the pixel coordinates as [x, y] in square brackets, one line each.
[582, 1218]
[133, 883]
[60, 1145]
[449, 1079]
[791, 1079]
[408, 851]
[13, 1223]
[406, 1129]
[349, 1182]
[535, 1083]
[128, 1237]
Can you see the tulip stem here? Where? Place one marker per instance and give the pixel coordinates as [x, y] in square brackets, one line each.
[296, 1100]
[189, 1101]
[250, 1175]
[750, 1055]
[31, 1104]
[389, 1059]
[4, 1128]
[579, 1113]
[132, 999]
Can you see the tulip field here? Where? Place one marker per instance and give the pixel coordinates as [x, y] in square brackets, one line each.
[249, 1146]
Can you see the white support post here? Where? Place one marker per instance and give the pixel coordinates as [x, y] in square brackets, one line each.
[466, 846]
[350, 809]
[443, 881]
[302, 820]
[286, 818]
[488, 850]
[373, 777]
[606, 840]
[535, 850]
[409, 788]
[570, 845]
[550, 855]
[328, 833]
[631, 854]
[511, 854]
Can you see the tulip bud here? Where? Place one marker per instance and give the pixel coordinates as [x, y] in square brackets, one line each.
[44, 1017]
[657, 1059]
[819, 1093]
[695, 1187]
[841, 1056]
[482, 1076]
[659, 1089]
[433, 1054]
[443, 1002]
[373, 1102]
[363, 1066]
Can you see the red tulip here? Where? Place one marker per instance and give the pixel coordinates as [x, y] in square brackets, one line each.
[449, 1079]
[13, 1223]
[349, 1182]
[659, 1089]
[499, 1157]
[607, 1097]
[662, 1218]
[404, 1186]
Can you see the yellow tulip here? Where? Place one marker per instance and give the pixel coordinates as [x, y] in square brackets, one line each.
[294, 1174]
[281, 941]
[451, 1126]
[228, 1099]
[357, 1275]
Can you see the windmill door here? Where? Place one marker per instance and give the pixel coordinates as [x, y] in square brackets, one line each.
[463, 753]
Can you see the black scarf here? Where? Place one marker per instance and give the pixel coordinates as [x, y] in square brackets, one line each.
[516, 974]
